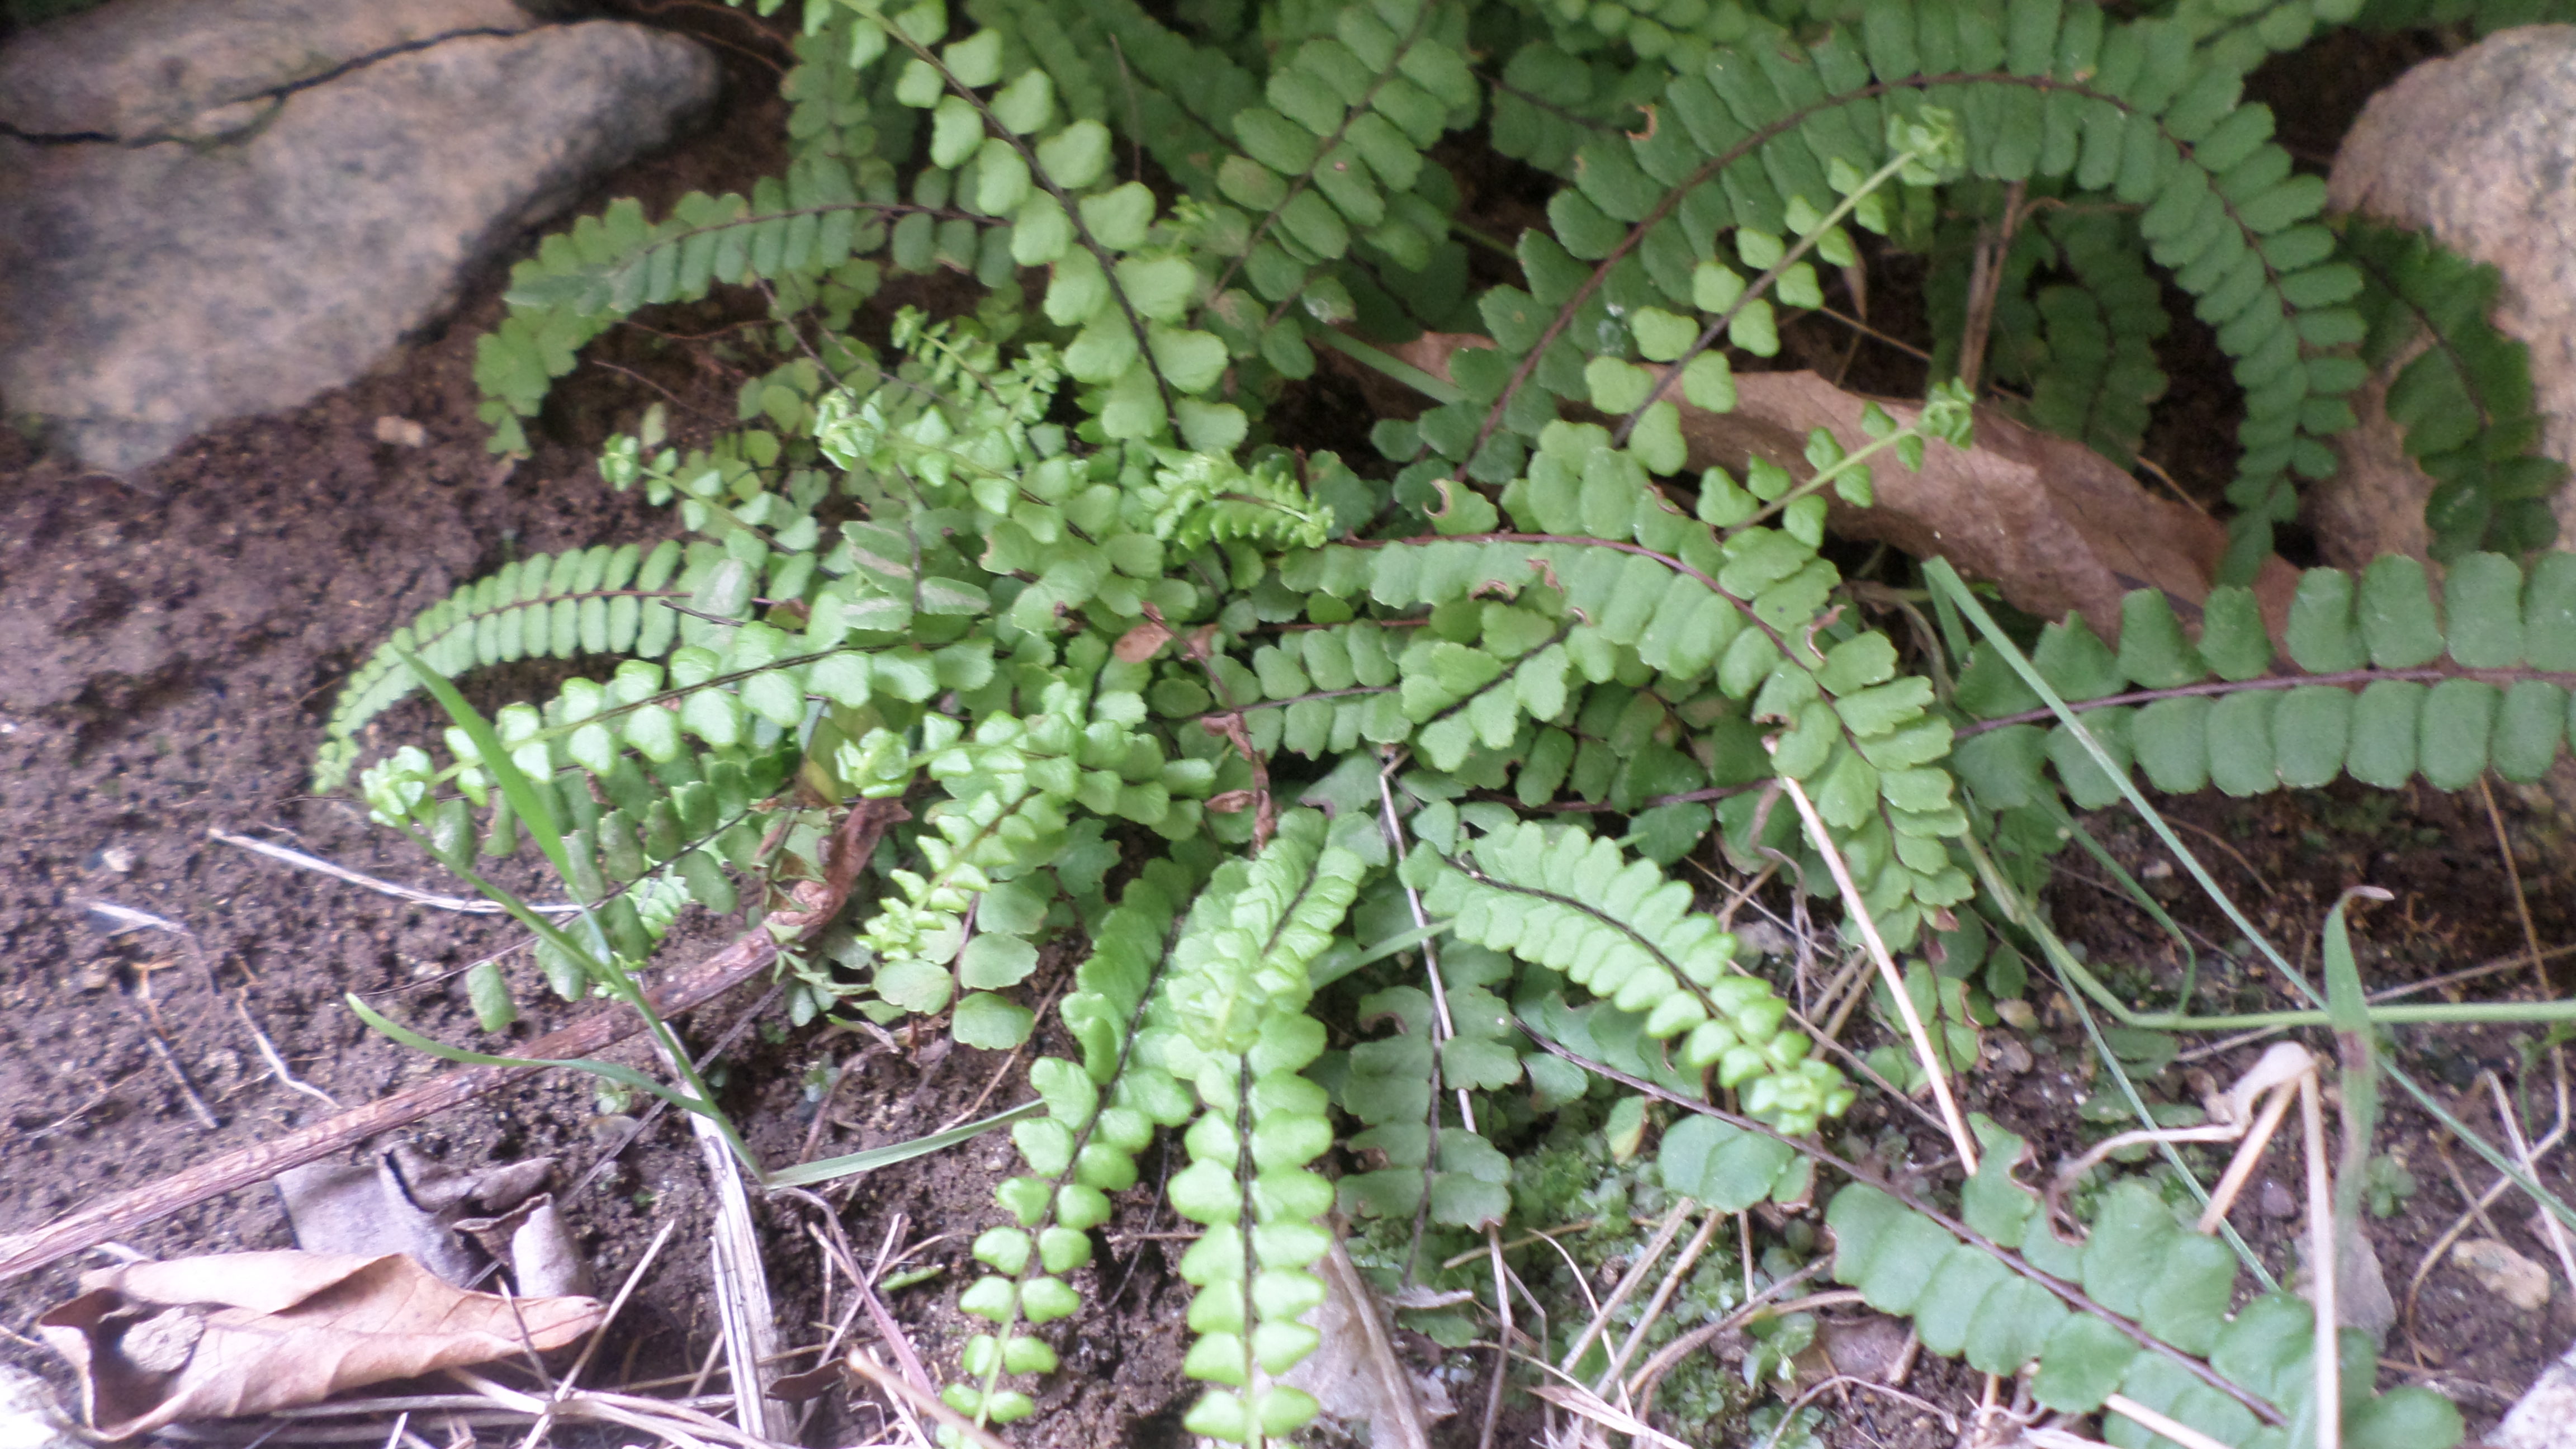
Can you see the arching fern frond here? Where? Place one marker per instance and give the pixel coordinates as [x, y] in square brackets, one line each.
[2382, 686]
[1622, 930]
[1773, 136]
[2464, 398]
[596, 600]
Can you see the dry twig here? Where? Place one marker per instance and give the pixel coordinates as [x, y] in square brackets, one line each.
[1960, 1138]
[747, 957]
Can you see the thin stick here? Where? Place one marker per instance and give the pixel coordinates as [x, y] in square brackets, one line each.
[1641, 1384]
[625, 1291]
[1664, 1291]
[2521, 904]
[277, 1064]
[746, 958]
[1960, 1139]
[893, 1384]
[462, 905]
[1585, 1404]
[1844, 992]
[2477, 1208]
[1000, 1071]
[1636, 1274]
[197, 1107]
[2321, 1270]
[914, 1370]
[2522, 1149]
[129, 919]
[2242, 1165]
[2182, 1433]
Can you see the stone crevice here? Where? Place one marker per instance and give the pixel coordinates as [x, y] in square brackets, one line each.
[271, 93]
[341, 165]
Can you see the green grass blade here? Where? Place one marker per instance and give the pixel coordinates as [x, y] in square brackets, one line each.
[2349, 1011]
[523, 795]
[1945, 580]
[806, 1174]
[622, 1075]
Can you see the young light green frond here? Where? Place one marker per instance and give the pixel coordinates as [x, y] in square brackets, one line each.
[603, 600]
[1624, 931]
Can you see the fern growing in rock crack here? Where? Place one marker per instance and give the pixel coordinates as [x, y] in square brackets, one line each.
[1240, 724]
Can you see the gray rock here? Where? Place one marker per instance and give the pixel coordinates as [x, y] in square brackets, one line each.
[146, 68]
[2545, 1417]
[285, 188]
[2477, 149]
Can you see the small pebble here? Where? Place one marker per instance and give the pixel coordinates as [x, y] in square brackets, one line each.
[117, 858]
[2274, 1200]
[401, 432]
[2009, 1054]
[2502, 1271]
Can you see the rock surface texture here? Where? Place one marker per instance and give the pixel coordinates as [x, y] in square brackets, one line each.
[216, 208]
[2477, 150]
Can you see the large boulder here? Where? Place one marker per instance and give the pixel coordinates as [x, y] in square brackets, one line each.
[216, 208]
[2476, 150]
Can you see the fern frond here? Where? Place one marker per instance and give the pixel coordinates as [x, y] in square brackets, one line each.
[1630, 578]
[1767, 144]
[1624, 931]
[2381, 686]
[1240, 982]
[2465, 399]
[1431, 1165]
[596, 600]
[1101, 1112]
[2154, 1323]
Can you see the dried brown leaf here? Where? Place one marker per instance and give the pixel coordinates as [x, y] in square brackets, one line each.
[2062, 529]
[399, 1201]
[245, 1333]
[1142, 642]
[2059, 527]
[1355, 1374]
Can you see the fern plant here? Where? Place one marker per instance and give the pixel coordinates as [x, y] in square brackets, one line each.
[2141, 1307]
[1238, 725]
[2381, 686]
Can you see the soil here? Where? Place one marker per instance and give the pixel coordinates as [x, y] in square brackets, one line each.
[170, 644]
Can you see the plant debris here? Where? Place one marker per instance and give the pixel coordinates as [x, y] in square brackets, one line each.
[398, 1201]
[247, 1333]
